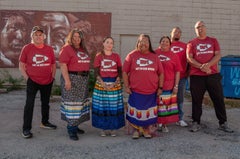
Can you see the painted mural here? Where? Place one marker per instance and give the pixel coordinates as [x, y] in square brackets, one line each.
[15, 29]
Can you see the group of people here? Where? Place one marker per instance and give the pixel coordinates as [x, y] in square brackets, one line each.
[154, 79]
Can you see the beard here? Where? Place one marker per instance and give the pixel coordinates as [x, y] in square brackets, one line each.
[176, 39]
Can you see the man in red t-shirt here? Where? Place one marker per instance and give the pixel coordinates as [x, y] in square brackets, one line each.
[38, 67]
[179, 48]
[203, 54]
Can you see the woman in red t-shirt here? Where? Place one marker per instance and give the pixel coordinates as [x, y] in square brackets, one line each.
[107, 101]
[74, 64]
[167, 102]
[143, 80]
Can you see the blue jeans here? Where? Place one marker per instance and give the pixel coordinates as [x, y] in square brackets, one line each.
[180, 96]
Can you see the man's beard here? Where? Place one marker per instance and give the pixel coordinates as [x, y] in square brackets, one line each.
[176, 39]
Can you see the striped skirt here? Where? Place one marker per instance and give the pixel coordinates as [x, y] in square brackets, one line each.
[167, 108]
[107, 106]
[142, 109]
[75, 107]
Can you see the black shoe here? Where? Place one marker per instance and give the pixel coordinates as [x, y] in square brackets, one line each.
[48, 126]
[27, 134]
[80, 131]
[224, 127]
[73, 136]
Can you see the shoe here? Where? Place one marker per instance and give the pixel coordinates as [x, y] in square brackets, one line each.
[135, 135]
[80, 131]
[195, 127]
[113, 133]
[160, 127]
[182, 123]
[147, 135]
[103, 133]
[73, 136]
[165, 129]
[27, 134]
[48, 126]
[224, 127]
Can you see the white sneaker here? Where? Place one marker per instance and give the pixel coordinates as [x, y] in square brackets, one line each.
[165, 129]
[160, 127]
[181, 123]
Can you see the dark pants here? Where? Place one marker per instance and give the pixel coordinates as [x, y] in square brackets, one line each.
[211, 83]
[45, 92]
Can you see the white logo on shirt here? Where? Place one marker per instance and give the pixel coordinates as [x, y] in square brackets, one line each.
[143, 62]
[82, 55]
[164, 58]
[176, 49]
[106, 63]
[38, 59]
[203, 47]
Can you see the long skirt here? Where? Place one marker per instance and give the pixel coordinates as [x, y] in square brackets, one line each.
[75, 107]
[142, 110]
[107, 106]
[167, 108]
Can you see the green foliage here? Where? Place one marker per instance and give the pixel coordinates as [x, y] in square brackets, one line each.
[2, 81]
[10, 82]
[56, 90]
[92, 80]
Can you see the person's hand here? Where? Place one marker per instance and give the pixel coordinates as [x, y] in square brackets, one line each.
[128, 90]
[159, 92]
[67, 85]
[205, 68]
[175, 90]
[109, 86]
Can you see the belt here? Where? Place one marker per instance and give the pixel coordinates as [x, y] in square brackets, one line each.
[80, 73]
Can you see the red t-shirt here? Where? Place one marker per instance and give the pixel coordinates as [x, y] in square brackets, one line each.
[203, 50]
[108, 64]
[171, 65]
[76, 60]
[179, 48]
[39, 63]
[143, 71]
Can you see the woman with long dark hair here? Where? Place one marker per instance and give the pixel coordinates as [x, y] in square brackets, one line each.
[74, 64]
[143, 80]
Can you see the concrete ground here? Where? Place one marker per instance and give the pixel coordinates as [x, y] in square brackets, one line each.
[179, 143]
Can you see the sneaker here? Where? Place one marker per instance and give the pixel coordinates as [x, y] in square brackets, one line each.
[113, 133]
[195, 127]
[48, 126]
[73, 136]
[80, 131]
[224, 127]
[147, 135]
[165, 129]
[160, 127]
[103, 133]
[27, 134]
[135, 135]
[182, 123]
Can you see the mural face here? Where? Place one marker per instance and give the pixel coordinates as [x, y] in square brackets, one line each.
[15, 29]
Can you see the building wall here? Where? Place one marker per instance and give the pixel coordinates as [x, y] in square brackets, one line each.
[154, 17]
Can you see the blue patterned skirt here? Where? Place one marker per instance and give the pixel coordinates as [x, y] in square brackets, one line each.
[107, 106]
[142, 109]
[75, 107]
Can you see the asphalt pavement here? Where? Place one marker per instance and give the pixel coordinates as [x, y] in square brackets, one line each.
[179, 143]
